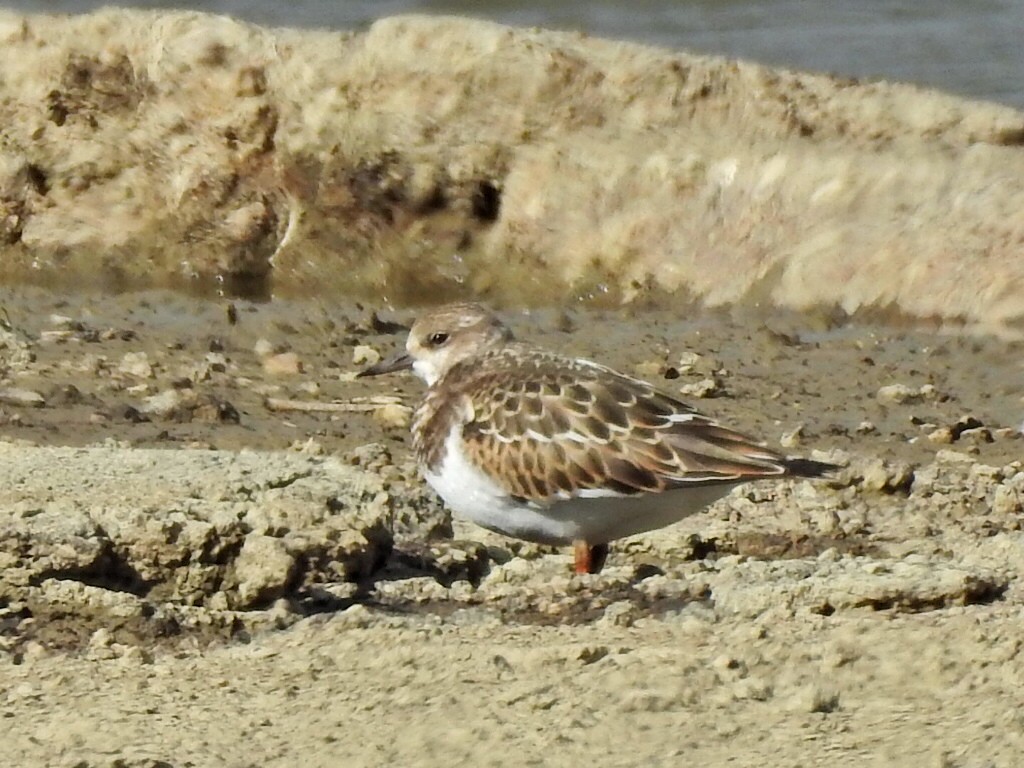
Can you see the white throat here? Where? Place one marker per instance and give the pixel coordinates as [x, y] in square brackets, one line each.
[426, 370]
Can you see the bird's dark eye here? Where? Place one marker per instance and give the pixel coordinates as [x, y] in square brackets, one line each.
[437, 339]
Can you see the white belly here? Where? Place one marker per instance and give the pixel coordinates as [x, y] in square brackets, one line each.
[597, 520]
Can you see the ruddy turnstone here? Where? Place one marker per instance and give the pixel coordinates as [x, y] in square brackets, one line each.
[560, 450]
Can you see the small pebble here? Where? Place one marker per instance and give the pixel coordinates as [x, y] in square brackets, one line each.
[793, 438]
[284, 364]
[691, 362]
[393, 415]
[163, 403]
[364, 354]
[1007, 501]
[263, 348]
[23, 397]
[978, 435]
[702, 389]
[899, 394]
[943, 435]
[815, 698]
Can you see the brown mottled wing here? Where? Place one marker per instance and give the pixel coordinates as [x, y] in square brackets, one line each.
[557, 428]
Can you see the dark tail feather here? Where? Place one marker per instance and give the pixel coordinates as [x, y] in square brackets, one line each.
[809, 468]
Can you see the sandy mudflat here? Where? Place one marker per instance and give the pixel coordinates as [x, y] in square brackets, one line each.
[192, 578]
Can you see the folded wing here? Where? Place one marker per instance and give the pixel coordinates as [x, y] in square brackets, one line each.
[561, 431]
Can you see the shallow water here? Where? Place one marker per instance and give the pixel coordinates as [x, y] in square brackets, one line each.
[968, 48]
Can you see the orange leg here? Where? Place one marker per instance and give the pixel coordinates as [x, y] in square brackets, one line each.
[589, 559]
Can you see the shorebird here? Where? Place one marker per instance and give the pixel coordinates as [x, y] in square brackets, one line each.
[561, 450]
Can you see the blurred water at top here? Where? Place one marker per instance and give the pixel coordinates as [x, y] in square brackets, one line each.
[971, 47]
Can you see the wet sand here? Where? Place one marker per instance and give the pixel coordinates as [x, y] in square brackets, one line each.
[198, 571]
[769, 373]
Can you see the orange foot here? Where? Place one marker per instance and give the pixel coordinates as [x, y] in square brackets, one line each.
[589, 558]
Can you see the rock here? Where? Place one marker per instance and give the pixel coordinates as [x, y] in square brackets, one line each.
[875, 476]
[136, 364]
[816, 697]
[703, 365]
[393, 415]
[901, 394]
[898, 394]
[357, 616]
[16, 352]
[1008, 499]
[263, 348]
[753, 689]
[93, 365]
[365, 355]
[977, 436]
[216, 362]
[621, 613]
[947, 456]
[879, 475]
[373, 457]
[46, 538]
[115, 604]
[185, 406]
[704, 388]
[194, 527]
[728, 667]
[310, 446]
[420, 516]
[114, 334]
[1008, 433]
[753, 587]
[164, 404]
[942, 435]
[24, 397]
[263, 569]
[206, 369]
[415, 589]
[283, 364]
[793, 438]
[965, 424]
[64, 322]
[100, 645]
[209, 409]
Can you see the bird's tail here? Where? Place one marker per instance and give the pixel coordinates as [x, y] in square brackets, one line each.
[798, 467]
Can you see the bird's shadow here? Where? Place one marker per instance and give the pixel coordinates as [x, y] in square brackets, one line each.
[414, 560]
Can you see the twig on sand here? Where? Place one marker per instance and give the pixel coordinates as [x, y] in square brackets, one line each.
[355, 405]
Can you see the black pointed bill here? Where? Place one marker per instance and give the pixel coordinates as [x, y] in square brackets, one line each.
[400, 361]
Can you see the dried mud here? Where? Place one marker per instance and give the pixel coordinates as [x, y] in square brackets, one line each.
[201, 568]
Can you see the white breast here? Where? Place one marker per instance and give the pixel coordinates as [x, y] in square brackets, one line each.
[597, 519]
[472, 494]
